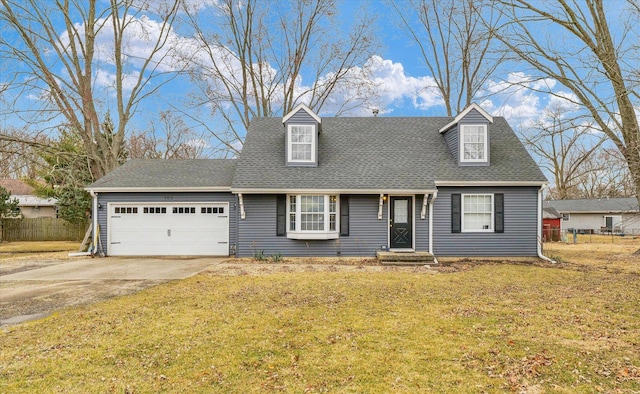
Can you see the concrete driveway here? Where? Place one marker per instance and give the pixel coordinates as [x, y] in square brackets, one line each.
[37, 292]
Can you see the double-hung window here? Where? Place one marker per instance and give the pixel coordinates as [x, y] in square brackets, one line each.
[302, 144]
[473, 143]
[477, 212]
[312, 216]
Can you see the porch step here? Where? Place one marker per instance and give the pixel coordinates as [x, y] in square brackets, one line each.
[405, 258]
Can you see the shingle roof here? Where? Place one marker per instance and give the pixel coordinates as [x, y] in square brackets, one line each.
[377, 153]
[30, 201]
[158, 174]
[600, 205]
[550, 213]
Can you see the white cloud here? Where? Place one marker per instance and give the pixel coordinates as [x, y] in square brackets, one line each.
[194, 6]
[138, 43]
[394, 85]
[105, 78]
[198, 144]
[383, 85]
[563, 101]
[523, 100]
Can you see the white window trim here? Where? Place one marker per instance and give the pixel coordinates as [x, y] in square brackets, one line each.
[485, 142]
[313, 234]
[291, 143]
[491, 228]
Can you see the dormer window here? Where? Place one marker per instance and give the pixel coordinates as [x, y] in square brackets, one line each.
[302, 140]
[302, 127]
[467, 136]
[473, 143]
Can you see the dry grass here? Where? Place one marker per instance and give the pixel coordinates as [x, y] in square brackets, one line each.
[617, 255]
[19, 253]
[38, 247]
[493, 327]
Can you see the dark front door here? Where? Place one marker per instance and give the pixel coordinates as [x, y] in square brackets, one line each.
[400, 223]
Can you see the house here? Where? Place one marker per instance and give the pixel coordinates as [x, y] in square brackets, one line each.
[603, 215]
[29, 205]
[310, 186]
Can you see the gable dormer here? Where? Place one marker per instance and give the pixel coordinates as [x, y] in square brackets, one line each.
[302, 128]
[468, 136]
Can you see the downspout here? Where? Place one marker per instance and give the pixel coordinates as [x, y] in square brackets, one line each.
[539, 238]
[433, 198]
[94, 218]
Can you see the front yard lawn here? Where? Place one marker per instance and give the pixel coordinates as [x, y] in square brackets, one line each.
[492, 327]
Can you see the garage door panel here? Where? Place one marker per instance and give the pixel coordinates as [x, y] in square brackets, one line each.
[168, 229]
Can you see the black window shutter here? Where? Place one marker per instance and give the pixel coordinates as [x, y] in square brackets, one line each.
[344, 215]
[456, 215]
[281, 215]
[498, 213]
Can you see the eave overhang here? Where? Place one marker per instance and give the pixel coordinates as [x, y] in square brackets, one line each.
[331, 191]
[464, 113]
[219, 189]
[489, 183]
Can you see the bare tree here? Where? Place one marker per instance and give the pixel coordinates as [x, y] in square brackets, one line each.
[253, 63]
[563, 144]
[573, 43]
[604, 175]
[64, 51]
[168, 138]
[19, 160]
[454, 44]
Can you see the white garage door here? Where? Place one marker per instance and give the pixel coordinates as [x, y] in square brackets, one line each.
[185, 229]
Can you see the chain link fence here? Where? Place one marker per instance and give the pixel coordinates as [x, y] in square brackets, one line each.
[588, 236]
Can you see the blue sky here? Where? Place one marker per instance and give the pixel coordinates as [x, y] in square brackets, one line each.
[401, 75]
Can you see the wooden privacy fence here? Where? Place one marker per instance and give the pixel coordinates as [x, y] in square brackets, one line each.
[42, 229]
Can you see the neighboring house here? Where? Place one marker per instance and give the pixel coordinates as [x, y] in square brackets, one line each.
[603, 215]
[310, 186]
[29, 205]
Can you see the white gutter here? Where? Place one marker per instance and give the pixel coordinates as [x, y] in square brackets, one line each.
[433, 199]
[215, 189]
[489, 183]
[332, 191]
[539, 240]
[94, 217]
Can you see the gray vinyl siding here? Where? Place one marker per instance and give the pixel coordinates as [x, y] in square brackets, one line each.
[451, 138]
[474, 117]
[169, 198]
[520, 225]
[301, 118]
[367, 234]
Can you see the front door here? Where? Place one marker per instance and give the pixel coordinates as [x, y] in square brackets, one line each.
[400, 223]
